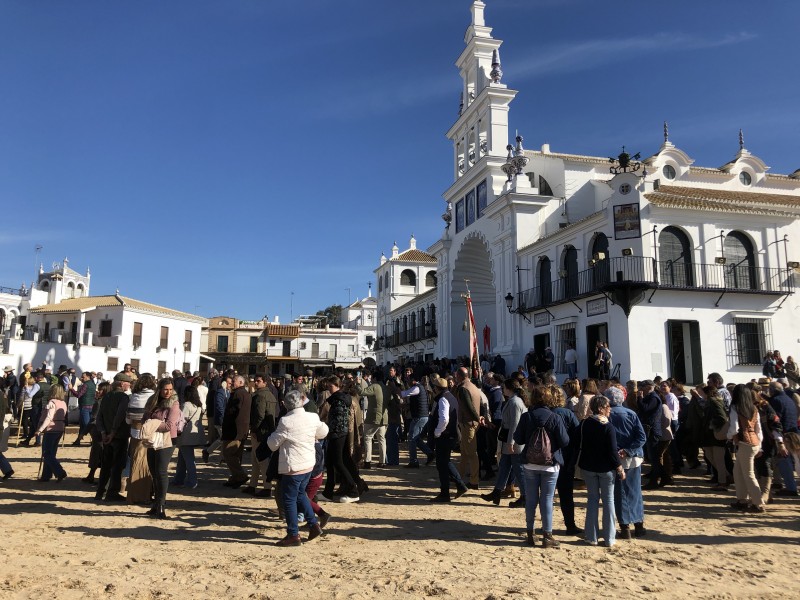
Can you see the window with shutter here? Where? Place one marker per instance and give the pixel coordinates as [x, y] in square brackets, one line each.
[675, 257]
[740, 266]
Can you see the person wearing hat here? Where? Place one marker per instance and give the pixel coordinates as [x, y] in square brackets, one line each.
[443, 434]
[114, 433]
[628, 499]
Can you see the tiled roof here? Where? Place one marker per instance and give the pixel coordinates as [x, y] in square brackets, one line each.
[669, 196]
[284, 331]
[91, 302]
[415, 255]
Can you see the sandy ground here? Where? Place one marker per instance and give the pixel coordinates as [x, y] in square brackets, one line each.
[59, 542]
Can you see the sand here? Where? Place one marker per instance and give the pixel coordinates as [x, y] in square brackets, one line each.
[57, 541]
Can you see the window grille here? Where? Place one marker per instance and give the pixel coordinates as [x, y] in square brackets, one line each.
[565, 335]
[747, 341]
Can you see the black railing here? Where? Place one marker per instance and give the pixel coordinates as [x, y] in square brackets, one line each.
[606, 274]
[13, 291]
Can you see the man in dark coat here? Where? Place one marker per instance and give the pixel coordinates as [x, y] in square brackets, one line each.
[264, 412]
[114, 435]
[235, 426]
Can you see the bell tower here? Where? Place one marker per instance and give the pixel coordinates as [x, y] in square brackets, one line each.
[482, 125]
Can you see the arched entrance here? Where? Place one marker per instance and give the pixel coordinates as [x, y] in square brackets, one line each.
[473, 263]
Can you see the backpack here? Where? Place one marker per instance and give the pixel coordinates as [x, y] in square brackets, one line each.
[538, 451]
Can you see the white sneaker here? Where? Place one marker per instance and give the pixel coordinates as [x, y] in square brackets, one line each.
[348, 499]
[590, 542]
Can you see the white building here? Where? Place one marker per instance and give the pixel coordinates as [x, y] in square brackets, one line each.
[58, 322]
[683, 269]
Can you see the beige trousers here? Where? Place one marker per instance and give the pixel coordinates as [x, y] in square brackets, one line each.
[744, 475]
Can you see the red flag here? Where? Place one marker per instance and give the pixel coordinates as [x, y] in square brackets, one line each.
[474, 357]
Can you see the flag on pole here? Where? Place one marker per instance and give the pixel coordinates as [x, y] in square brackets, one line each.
[474, 357]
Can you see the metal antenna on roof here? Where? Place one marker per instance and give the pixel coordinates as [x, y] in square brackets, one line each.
[741, 140]
[666, 131]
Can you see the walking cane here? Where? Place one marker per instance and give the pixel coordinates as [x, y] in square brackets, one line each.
[41, 462]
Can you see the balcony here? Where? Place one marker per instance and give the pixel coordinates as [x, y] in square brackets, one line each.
[406, 336]
[641, 273]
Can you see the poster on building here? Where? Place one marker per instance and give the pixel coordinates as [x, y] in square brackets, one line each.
[481, 191]
[459, 215]
[627, 224]
[470, 207]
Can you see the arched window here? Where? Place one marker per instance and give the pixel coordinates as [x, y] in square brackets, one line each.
[675, 258]
[380, 283]
[386, 282]
[570, 272]
[412, 334]
[79, 291]
[422, 323]
[432, 318]
[740, 266]
[70, 290]
[601, 271]
[404, 331]
[430, 279]
[45, 285]
[544, 187]
[407, 277]
[545, 282]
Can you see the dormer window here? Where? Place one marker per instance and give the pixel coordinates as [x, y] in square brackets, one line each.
[745, 178]
[668, 171]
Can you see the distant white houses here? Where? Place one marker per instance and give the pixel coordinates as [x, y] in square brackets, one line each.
[58, 322]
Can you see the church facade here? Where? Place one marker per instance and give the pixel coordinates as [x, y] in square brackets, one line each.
[682, 270]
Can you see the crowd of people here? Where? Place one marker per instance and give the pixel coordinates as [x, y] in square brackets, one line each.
[311, 437]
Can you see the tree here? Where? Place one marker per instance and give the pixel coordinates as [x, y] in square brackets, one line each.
[333, 314]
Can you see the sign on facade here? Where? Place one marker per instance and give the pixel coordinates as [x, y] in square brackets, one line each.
[627, 224]
[598, 306]
[541, 319]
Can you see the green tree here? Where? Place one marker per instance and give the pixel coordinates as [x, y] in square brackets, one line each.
[333, 314]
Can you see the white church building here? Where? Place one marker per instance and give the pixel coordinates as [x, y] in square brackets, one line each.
[682, 269]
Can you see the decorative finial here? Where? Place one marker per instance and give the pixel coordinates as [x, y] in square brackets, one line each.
[741, 140]
[497, 72]
[666, 132]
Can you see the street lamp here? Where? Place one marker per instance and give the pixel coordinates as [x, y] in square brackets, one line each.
[519, 310]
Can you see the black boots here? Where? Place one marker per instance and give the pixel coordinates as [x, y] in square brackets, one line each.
[493, 496]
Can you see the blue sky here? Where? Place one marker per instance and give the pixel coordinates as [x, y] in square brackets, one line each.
[216, 155]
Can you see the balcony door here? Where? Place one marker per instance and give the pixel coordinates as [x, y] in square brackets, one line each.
[685, 358]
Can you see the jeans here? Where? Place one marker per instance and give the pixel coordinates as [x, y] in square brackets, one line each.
[540, 488]
[293, 489]
[508, 469]
[628, 500]
[85, 417]
[158, 461]
[377, 432]
[786, 467]
[415, 440]
[186, 471]
[5, 466]
[444, 465]
[393, 444]
[49, 448]
[600, 485]
[572, 370]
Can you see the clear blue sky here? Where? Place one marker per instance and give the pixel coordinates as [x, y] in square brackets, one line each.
[215, 155]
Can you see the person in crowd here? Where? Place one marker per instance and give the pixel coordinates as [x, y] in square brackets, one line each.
[786, 410]
[27, 392]
[443, 435]
[85, 395]
[337, 455]
[264, 412]
[565, 483]
[162, 406]
[600, 462]
[792, 372]
[181, 383]
[509, 467]
[192, 436]
[5, 431]
[469, 406]
[667, 391]
[114, 434]
[235, 427]
[661, 458]
[375, 419]
[96, 450]
[294, 439]
[354, 449]
[543, 435]
[416, 397]
[221, 396]
[571, 361]
[51, 426]
[772, 433]
[12, 388]
[630, 436]
[714, 432]
[745, 432]
[140, 482]
[394, 427]
[588, 391]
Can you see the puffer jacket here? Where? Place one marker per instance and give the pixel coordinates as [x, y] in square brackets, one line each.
[338, 414]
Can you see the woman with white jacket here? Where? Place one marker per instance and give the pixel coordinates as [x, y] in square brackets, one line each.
[193, 436]
[294, 438]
